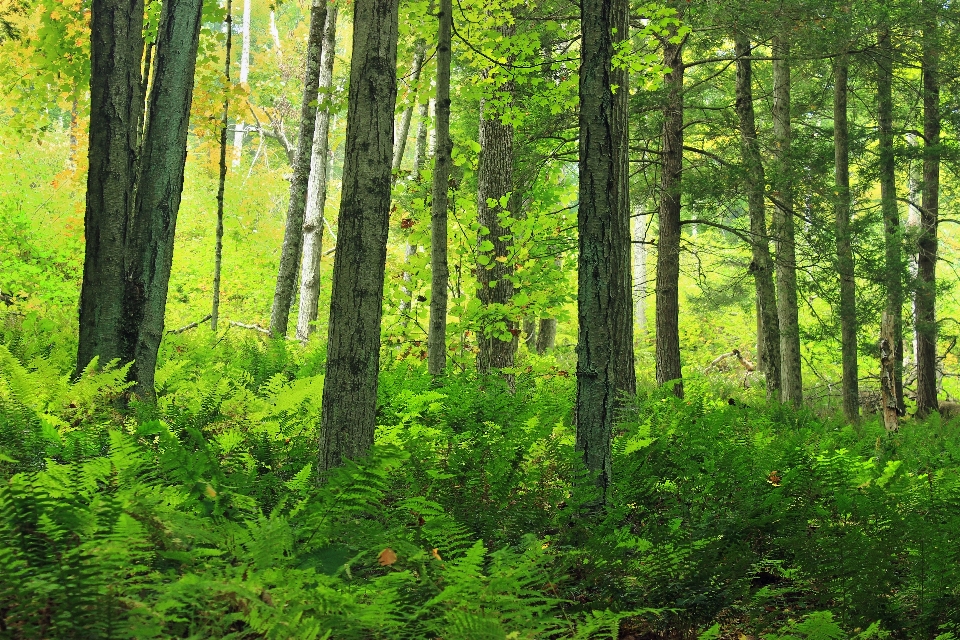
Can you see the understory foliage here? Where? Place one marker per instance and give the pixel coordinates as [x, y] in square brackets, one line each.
[204, 516]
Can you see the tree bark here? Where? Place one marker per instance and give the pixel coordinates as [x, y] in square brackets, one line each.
[888, 395]
[244, 74]
[317, 188]
[439, 275]
[929, 214]
[762, 265]
[913, 226]
[547, 335]
[160, 184]
[893, 237]
[495, 240]
[115, 110]
[356, 307]
[845, 268]
[668, 244]
[293, 231]
[783, 229]
[605, 303]
[218, 244]
[419, 54]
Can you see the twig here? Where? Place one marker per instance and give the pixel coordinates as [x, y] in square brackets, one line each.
[255, 327]
[192, 325]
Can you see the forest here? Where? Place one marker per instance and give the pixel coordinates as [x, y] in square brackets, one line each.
[479, 320]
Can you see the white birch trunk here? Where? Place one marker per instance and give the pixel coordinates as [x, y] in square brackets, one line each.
[913, 224]
[244, 74]
[639, 269]
[317, 188]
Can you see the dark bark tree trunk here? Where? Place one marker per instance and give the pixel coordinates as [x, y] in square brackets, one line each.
[893, 236]
[547, 335]
[218, 246]
[783, 229]
[317, 189]
[116, 106]
[356, 306]
[605, 303]
[439, 271]
[845, 268]
[530, 332]
[762, 265]
[929, 214]
[495, 240]
[160, 185]
[293, 231]
[668, 243]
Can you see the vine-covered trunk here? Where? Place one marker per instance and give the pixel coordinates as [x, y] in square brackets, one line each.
[893, 236]
[848, 302]
[317, 188]
[604, 300]
[783, 228]
[356, 302]
[162, 161]
[218, 243]
[761, 265]
[495, 240]
[929, 213]
[668, 242]
[116, 100]
[439, 270]
[296, 210]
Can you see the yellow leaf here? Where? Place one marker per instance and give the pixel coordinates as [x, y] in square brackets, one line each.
[435, 554]
[210, 491]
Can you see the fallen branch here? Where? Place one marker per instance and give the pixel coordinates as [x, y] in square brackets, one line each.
[255, 327]
[192, 325]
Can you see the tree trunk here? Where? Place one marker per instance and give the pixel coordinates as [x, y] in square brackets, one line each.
[530, 332]
[893, 238]
[929, 213]
[783, 229]
[762, 265]
[356, 306]
[605, 303]
[317, 188]
[439, 271]
[293, 231]
[668, 243]
[913, 226]
[419, 54]
[547, 335]
[115, 102]
[848, 303]
[495, 240]
[218, 246]
[889, 404]
[244, 74]
[639, 270]
[160, 184]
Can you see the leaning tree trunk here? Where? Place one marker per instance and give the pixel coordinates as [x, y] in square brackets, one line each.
[317, 188]
[293, 231]
[218, 244]
[783, 229]
[604, 301]
[419, 53]
[762, 265]
[929, 212]
[163, 158]
[116, 100]
[353, 349]
[668, 245]
[244, 74]
[495, 240]
[848, 302]
[893, 237]
[439, 271]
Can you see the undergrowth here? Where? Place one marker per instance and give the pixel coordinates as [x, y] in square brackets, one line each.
[204, 516]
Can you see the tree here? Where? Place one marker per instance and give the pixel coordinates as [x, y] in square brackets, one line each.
[356, 304]
[131, 212]
[296, 211]
[788, 312]
[844, 240]
[929, 213]
[604, 291]
[218, 247]
[439, 272]
[317, 187]
[754, 185]
[668, 243]
[244, 74]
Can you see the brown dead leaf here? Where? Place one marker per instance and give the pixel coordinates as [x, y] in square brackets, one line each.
[387, 557]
